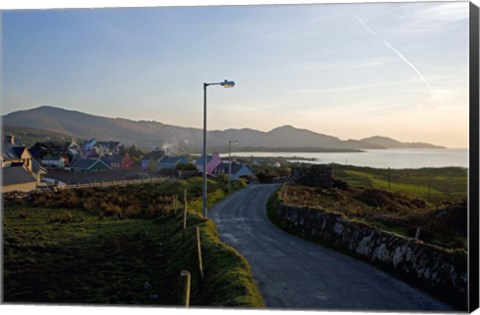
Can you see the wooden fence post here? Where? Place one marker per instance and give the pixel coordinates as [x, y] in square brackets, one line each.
[199, 251]
[184, 213]
[185, 276]
[175, 203]
[417, 233]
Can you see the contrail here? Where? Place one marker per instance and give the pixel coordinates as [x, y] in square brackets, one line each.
[365, 26]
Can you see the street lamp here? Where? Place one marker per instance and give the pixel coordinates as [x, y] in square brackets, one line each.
[225, 84]
[230, 164]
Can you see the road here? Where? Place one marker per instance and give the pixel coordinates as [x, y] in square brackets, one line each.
[295, 274]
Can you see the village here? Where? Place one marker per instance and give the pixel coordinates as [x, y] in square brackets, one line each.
[51, 165]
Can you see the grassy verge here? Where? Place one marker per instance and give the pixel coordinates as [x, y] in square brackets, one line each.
[77, 255]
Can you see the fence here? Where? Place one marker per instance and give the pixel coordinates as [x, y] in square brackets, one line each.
[122, 182]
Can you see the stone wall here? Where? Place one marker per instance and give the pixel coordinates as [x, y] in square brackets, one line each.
[440, 271]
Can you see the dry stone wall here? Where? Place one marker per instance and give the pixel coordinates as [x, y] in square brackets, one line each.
[442, 271]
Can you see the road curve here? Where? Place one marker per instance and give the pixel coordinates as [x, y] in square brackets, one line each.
[295, 274]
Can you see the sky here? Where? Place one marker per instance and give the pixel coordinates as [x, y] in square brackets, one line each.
[348, 70]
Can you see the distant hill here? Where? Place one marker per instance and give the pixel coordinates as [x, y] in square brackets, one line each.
[151, 133]
[394, 144]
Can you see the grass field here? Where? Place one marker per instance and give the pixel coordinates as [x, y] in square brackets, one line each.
[74, 254]
[435, 185]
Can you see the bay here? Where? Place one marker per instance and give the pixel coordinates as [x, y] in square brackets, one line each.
[393, 158]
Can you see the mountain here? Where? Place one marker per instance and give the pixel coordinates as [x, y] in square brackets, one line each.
[394, 144]
[151, 133]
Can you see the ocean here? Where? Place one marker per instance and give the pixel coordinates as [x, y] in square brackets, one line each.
[393, 158]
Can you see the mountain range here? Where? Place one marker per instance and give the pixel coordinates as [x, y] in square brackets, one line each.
[151, 133]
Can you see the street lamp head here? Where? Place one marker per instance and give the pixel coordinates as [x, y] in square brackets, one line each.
[227, 84]
[233, 141]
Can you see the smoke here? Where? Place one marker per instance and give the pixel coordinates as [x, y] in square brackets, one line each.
[166, 147]
[389, 46]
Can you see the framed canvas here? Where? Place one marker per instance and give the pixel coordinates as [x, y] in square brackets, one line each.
[281, 156]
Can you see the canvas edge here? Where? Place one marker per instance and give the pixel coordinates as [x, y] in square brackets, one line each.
[473, 237]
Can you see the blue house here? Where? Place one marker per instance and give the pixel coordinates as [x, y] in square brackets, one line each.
[171, 162]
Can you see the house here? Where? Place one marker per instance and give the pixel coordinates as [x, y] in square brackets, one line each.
[19, 170]
[126, 162]
[56, 161]
[118, 162]
[108, 148]
[238, 170]
[91, 155]
[73, 149]
[17, 178]
[171, 162]
[213, 161]
[90, 144]
[88, 166]
[151, 159]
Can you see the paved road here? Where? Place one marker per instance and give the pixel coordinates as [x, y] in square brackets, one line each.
[296, 274]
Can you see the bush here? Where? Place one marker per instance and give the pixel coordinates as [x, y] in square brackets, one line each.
[239, 184]
[186, 167]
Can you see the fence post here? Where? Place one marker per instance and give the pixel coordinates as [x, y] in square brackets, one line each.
[175, 203]
[185, 276]
[417, 233]
[184, 213]
[199, 251]
[78, 185]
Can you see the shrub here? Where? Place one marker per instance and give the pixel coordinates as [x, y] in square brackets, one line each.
[239, 184]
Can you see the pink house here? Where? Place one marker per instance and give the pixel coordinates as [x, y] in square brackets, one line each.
[213, 161]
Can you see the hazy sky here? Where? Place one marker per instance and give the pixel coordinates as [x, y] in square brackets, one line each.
[352, 71]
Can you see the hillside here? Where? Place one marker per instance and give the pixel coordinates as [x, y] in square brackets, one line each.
[393, 144]
[152, 133]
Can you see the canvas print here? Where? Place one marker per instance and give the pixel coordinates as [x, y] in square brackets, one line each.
[300, 157]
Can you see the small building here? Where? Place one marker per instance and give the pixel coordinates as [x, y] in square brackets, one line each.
[20, 171]
[56, 161]
[151, 159]
[17, 178]
[238, 170]
[113, 161]
[89, 166]
[213, 161]
[118, 162]
[108, 148]
[90, 144]
[171, 162]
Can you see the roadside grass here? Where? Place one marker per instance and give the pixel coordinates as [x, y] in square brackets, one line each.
[73, 255]
[433, 184]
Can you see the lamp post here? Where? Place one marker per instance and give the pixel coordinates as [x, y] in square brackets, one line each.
[225, 84]
[230, 164]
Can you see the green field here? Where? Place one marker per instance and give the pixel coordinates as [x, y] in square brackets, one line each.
[435, 185]
[87, 254]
